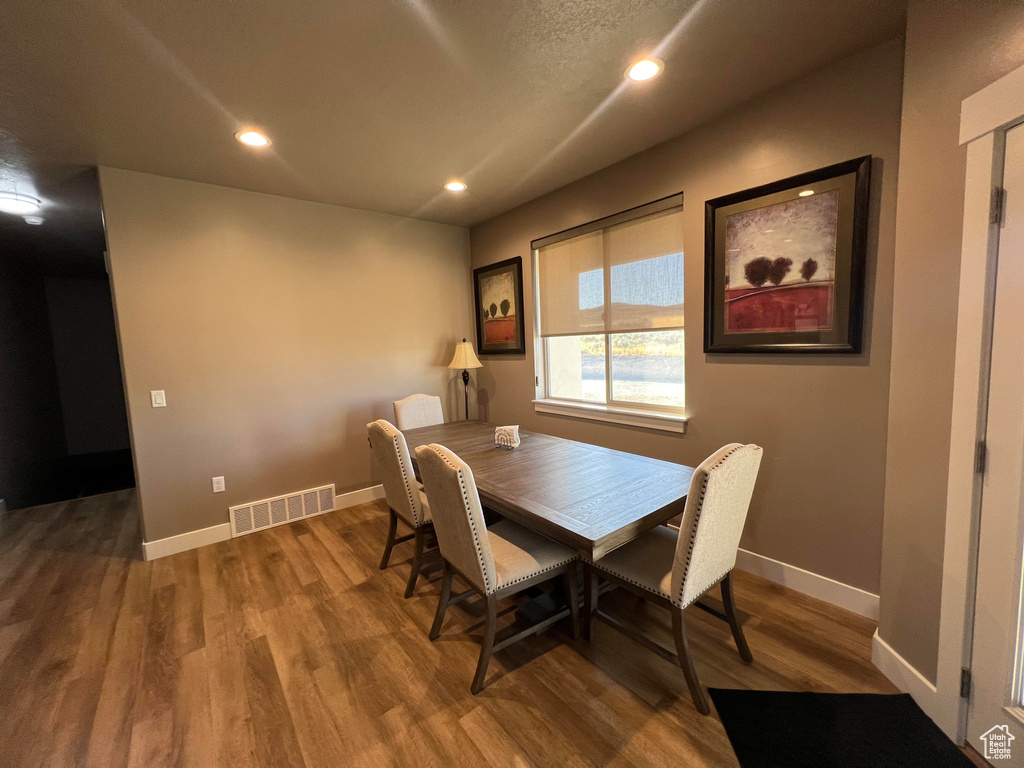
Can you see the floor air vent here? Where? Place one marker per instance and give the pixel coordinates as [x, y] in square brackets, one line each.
[266, 513]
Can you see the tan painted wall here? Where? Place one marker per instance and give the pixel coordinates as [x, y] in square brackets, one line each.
[952, 50]
[278, 329]
[821, 420]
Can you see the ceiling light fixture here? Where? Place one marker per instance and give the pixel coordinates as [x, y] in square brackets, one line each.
[455, 186]
[35, 221]
[252, 138]
[807, 193]
[13, 202]
[645, 69]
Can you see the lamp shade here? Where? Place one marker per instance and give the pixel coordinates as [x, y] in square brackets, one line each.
[464, 357]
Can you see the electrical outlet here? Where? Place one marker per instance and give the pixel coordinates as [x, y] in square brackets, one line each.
[218, 485]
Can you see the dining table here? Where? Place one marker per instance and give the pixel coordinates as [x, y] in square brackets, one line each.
[588, 497]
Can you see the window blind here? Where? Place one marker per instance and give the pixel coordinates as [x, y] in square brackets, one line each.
[572, 286]
[627, 277]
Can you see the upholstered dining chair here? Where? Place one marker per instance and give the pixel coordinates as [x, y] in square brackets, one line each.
[675, 568]
[496, 562]
[417, 411]
[406, 499]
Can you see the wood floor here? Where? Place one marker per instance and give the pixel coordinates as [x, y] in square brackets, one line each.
[289, 647]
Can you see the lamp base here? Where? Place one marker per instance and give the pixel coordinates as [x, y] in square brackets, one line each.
[465, 386]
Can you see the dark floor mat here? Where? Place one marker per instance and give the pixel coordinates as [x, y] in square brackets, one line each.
[771, 729]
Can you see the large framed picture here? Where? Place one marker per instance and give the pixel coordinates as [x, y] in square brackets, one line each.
[499, 308]
[784, 263]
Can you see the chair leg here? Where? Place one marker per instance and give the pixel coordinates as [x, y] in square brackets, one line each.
[442, 605]
[590, 582]
[573, 594]
[392, 531]
[488, 646]
[734, 623]
[417, 559]
[686, 662]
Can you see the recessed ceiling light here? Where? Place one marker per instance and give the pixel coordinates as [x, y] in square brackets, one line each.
[645, 69]
[34, 220]
[12, 202]
[807, 193]
[252, 138]
[455, 186]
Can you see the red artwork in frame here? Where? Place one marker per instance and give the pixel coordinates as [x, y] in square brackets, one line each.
[500, 321]
[784, 264]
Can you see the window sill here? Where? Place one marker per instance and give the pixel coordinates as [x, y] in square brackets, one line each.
[1017, 713]
[664, 422]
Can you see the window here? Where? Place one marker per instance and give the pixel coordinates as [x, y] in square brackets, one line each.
[610, 302]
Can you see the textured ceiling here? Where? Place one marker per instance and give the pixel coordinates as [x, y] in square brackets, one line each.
[375, 104]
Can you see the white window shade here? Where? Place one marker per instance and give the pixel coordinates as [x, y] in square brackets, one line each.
[572, 286]
[624, 278]
[646, 273]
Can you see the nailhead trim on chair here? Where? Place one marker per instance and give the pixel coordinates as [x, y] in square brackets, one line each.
[657, 592]
[696, 523]
[416, 511]
[538, 573]
[472, 525]
[615, 573]
[709, 586]
[479, 549]
[460, 573]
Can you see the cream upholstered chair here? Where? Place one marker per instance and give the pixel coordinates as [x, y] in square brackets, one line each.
[675, 568]
[406, 499]
[496, 562]
[417, 411]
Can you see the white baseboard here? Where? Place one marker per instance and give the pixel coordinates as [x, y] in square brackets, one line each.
[823, 588]
[172, 545]
[363, 495]
[905, 677]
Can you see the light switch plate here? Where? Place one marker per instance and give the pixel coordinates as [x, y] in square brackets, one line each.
[158, 398]
[218, 485]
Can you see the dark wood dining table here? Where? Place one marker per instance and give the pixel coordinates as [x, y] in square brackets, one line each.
[590, 498]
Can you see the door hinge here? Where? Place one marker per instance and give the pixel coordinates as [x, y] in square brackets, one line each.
[995, 208]
[980, 457]
[965, 683]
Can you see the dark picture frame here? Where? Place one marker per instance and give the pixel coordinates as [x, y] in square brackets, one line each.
[500, 326]
[809, 250]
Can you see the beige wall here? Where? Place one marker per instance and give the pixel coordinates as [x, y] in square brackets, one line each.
[952, 50]
[821, 419]
[278, 329]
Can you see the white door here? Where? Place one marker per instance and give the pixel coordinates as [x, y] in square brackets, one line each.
[995, 716]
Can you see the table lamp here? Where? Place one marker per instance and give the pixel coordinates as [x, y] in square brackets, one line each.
[465, 358]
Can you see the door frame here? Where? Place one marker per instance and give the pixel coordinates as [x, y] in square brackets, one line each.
[984, 119]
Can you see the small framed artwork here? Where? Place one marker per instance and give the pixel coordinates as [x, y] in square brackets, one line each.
[784, 263]
[499, 308]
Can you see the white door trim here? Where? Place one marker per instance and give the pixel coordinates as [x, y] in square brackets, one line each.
[970, 388]
[984, 118]
[996, 106]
